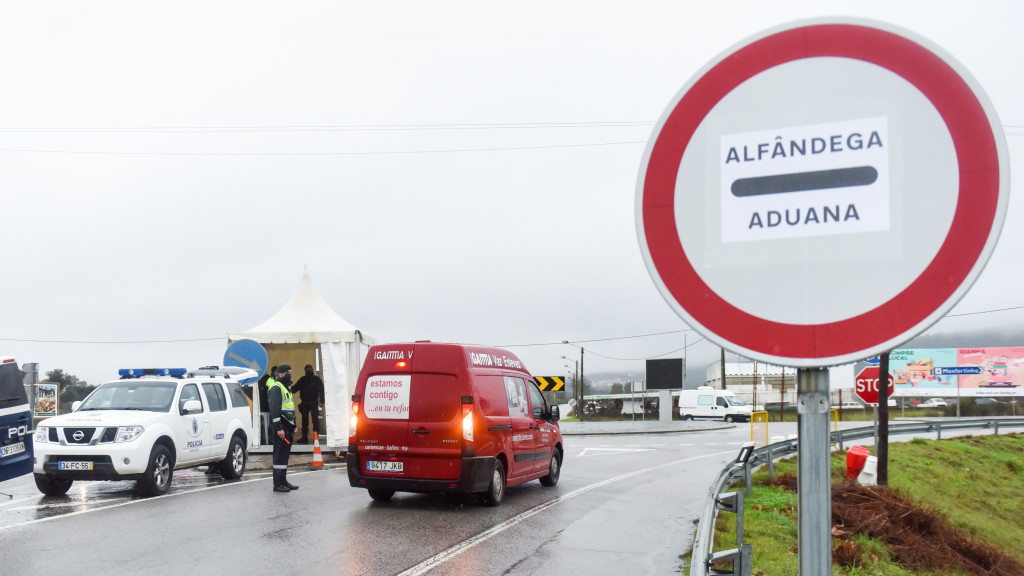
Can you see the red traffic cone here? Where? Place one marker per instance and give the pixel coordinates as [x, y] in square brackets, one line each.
[318, 457]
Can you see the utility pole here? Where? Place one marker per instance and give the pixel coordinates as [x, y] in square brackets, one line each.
[684, 366]
[723, 367]
[582, 383]
[882, 449]
[782, 396]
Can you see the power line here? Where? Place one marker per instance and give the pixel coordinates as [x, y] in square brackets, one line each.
[324, 128]
[109, 341]
[340, 127]
[646, 357]
[570, 342]
[359, 153]
[983, 312]
[575, 342]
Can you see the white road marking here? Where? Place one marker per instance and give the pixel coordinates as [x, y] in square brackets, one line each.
[607, 451]
[9, 502]
[438, 559]
[140, 500]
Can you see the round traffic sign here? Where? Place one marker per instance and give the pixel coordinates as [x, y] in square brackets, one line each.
[248, 354]
[866, 385]
[822, 192]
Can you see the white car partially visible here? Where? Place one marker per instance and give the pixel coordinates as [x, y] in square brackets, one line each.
[144, 426]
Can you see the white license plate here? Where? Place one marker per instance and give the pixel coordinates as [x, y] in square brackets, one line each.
[12, 449]
[386, 466]
[74, 466]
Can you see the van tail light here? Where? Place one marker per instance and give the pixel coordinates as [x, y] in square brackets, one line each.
[354, 418]
[467, 418]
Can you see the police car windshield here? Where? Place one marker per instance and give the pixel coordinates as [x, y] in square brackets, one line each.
[131, 395]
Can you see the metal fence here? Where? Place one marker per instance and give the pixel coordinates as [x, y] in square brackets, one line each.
[750, 458]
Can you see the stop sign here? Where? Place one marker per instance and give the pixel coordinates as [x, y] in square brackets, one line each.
[866, 385]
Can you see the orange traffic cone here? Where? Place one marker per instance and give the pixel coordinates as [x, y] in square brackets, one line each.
[318, 457]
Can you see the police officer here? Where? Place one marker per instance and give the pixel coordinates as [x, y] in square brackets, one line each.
[282, 420]
[311, 398]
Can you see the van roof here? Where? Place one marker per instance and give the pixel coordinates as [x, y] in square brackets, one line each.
[425, 356]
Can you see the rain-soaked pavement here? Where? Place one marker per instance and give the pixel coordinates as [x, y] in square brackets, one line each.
[21, 502]
[624, 504]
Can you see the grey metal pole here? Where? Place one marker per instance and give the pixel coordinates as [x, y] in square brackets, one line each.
[582, 385]
[723, 368]
[814, 482]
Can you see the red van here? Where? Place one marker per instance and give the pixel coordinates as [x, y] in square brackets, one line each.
[430, 417]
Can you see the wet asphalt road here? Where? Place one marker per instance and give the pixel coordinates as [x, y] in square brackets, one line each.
[625, 504]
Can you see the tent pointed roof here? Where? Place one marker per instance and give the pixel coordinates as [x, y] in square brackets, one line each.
[306, 318]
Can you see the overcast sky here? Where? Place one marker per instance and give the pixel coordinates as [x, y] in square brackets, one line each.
[453, 171]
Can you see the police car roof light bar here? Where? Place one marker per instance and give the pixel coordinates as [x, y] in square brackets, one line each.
[136, 372]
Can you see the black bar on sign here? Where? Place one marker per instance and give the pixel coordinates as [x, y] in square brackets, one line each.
[803, 181]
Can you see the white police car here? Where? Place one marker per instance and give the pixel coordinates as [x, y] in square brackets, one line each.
[144, 426]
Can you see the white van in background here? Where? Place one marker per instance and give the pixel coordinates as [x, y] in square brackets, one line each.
[707, 402]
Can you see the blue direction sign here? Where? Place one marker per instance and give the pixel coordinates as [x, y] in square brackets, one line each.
[247, 354]
[958, 370]
[873, 360]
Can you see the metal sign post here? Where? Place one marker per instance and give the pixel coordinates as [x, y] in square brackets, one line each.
[814, 482]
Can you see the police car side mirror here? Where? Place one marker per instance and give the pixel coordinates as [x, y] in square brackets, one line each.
[191, 407]
[75, 405]
[554, 413]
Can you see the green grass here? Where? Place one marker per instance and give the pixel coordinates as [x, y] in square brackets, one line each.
[976, 482]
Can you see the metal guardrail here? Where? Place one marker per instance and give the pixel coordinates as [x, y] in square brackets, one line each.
[741, 468]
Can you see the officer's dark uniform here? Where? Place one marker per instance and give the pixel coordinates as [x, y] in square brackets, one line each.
[282, 417]
[311, 396]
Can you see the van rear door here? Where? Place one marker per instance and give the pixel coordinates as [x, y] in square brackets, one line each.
[413, 421]
[435, 427]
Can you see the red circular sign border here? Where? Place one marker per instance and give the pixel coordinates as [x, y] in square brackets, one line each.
[978, 165]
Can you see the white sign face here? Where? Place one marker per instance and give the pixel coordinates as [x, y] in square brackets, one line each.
[816, 180]
[387, 397]
[822, 192]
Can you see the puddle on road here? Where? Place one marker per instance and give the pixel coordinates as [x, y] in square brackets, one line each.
[92, 494]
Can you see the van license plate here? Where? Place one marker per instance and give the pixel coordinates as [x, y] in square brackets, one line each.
[12, 449]
[74, 466]
[389, 466]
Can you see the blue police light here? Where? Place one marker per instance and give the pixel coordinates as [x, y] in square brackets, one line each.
[136, 372]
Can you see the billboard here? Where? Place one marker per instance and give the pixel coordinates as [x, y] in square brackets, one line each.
[952, 372]
[46, 400]
[666, 374]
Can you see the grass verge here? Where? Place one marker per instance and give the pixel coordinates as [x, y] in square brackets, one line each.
[967, 486]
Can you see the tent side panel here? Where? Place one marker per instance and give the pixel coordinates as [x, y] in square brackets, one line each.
[336, 391]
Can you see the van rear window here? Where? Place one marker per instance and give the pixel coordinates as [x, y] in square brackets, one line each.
[435, 398]
[491, 396]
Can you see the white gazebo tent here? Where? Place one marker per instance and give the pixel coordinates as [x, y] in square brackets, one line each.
[307, 331]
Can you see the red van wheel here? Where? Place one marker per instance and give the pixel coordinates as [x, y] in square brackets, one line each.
[554, 469]
[496, 492]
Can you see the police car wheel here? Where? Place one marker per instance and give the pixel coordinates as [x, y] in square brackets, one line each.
[157, 479]
[496, 491]
[554, 469]
[52, 486]
[381, 495]
[233, 466]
